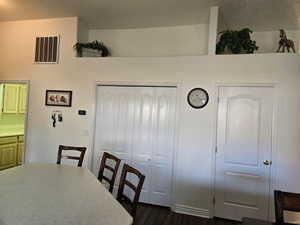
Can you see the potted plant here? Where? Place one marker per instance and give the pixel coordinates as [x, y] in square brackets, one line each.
[236, 42]
[95, 45]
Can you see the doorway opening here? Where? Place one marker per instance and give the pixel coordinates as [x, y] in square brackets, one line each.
[13, 117]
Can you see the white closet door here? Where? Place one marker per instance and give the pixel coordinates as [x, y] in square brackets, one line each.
[114, 120]
[137, 125]
[163, 146]
[143, 136]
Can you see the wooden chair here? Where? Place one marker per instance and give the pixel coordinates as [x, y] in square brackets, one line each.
[62, 148]
[130, 205]
[114, 170]
[285, 201]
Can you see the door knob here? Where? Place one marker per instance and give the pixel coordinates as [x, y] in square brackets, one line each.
[267, 162]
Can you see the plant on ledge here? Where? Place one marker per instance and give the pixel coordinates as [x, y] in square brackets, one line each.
[95, 45]
[236, 42]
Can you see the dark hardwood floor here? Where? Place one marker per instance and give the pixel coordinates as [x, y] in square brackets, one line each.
[155, 215]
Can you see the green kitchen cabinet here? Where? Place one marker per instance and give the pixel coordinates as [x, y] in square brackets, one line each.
[8, 152]
[22, 98]
[11, 98]
[15, 98]
[20, 153]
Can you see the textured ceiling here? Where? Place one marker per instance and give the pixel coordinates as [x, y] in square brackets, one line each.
[261, 14]
[111, 13]
[256, 14]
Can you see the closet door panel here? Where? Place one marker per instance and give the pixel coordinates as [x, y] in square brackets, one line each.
[163, 146]
[115, 113]
[142, 136]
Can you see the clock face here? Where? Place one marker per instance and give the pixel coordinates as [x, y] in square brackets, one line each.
[198, 98]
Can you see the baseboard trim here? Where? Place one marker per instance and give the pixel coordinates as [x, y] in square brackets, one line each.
[192, 211]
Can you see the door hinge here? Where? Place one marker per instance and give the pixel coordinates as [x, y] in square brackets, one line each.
[214, 200]
[216, 149]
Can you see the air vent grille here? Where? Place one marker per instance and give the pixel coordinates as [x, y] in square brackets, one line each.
[46, 49]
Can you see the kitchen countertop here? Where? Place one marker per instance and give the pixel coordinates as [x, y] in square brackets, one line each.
[11, 132]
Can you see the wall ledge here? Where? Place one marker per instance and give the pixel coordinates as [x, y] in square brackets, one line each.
[192, 211]
[190, 56]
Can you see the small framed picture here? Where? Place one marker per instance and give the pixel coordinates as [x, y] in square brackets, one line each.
[58, 98]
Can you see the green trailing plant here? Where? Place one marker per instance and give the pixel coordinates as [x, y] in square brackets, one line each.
[236, 42]
[95, 45]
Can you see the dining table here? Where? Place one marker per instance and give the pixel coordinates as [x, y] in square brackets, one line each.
[50, 194]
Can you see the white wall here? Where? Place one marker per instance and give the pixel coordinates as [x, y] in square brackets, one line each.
[196, 127]
[160, 41]
[82, 31]
[268, 40]
[213, 30]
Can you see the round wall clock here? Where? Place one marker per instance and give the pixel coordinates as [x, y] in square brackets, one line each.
[198, 98]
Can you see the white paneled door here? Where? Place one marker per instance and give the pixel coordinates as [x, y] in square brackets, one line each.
[137, 124]
[243, 158]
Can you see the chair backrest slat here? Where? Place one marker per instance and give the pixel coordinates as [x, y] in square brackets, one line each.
[70, 157]
[109, 168]
[131, 185]
[122, 198]
[63, 148]
[114, 170]
[106, 179]
[285, 201]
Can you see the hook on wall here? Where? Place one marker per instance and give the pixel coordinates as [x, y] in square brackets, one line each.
[56, 116]
[53, 117]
